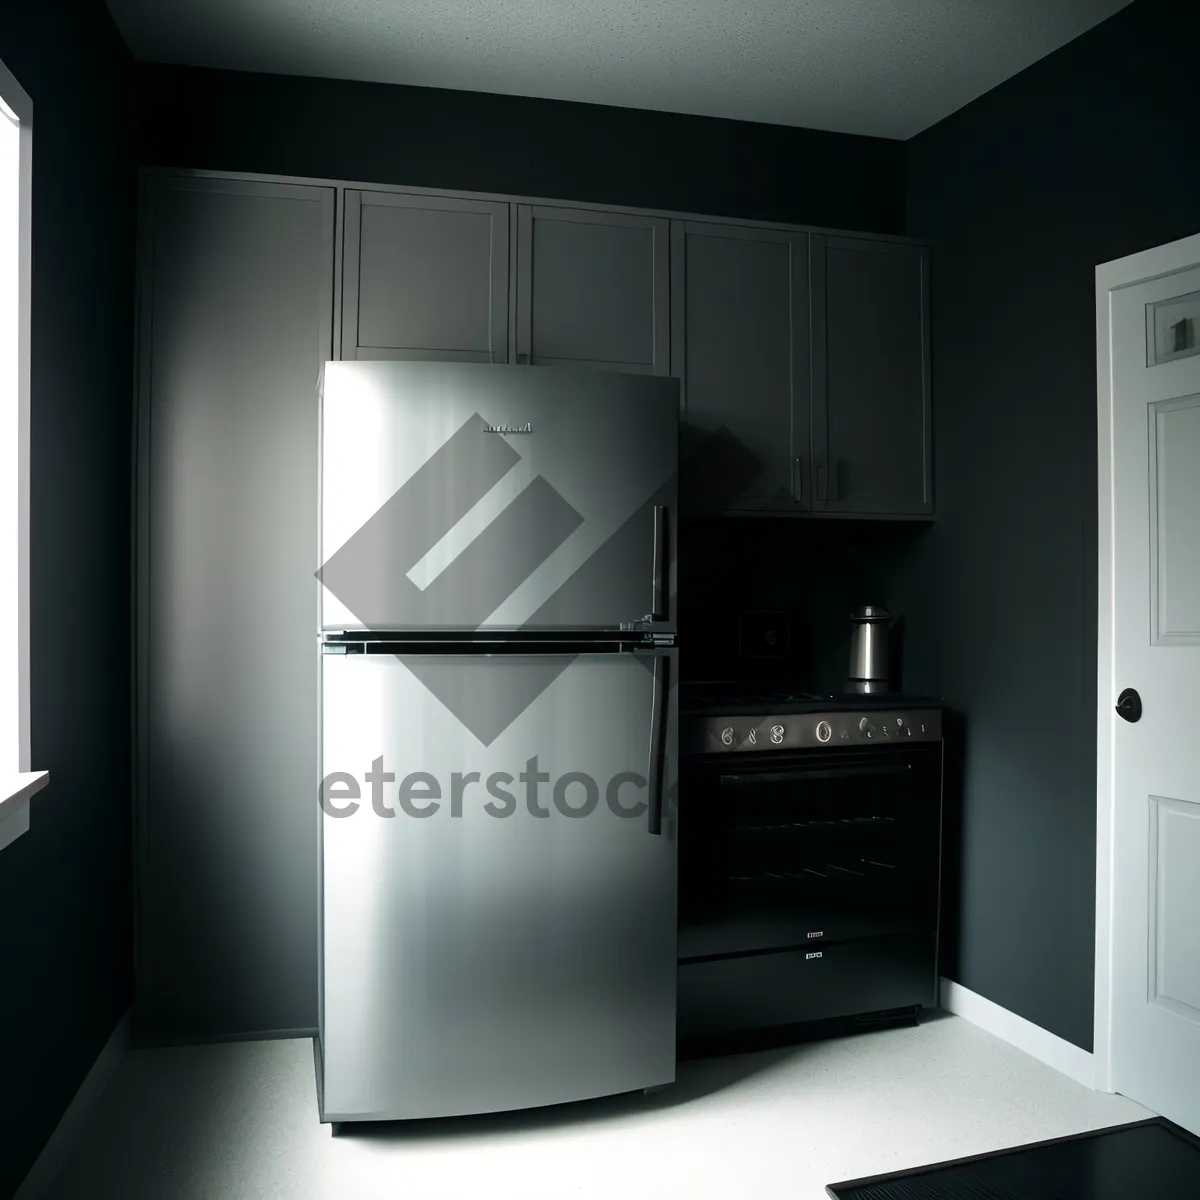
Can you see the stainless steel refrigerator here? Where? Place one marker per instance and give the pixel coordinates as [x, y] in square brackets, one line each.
[499, 737]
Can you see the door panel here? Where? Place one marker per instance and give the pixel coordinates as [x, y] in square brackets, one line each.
[236, 307]
[1174, 932]
[871, 413]
[593, 289]
[432, 520]
[740, 313]
[1174, 507]
[424, 277]
[476, 962]
[1156, 640]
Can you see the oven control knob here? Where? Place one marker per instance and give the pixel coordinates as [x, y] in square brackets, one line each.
[777, 732]
[824, 731]
[727, 736]
[864, 725]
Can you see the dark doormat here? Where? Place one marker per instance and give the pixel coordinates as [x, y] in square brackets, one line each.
[1148, 1160]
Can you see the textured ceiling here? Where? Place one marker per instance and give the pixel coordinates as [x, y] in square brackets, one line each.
[884, 67]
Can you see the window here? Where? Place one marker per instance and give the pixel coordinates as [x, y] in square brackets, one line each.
[17, 782]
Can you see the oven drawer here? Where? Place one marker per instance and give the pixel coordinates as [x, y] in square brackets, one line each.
[752, 929]
[759, 991]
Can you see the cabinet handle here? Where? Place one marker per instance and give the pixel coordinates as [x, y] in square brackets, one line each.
[827, 481]
[798, 488]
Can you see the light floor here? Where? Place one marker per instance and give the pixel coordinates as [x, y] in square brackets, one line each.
[239, 1120]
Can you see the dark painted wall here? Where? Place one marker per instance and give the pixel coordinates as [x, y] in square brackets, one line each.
[812, 572]
[66, 932]
[1082, 158]
[235, 121]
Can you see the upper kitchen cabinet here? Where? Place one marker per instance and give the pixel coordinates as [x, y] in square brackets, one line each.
[593, 289]
[740, 347]
[871, 417]
[425, 277]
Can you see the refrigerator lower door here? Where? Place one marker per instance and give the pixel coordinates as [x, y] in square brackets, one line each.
[498, 907]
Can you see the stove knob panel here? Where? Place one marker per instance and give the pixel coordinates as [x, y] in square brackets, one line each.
[824, 731]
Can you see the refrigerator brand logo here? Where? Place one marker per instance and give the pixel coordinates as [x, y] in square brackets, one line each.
[369, 573]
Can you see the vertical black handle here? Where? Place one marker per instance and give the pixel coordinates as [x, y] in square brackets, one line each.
[827, 481]
[799, 481]
[657, 765]
[658, 601]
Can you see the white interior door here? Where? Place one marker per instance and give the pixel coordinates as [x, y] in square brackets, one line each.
[1150, 620]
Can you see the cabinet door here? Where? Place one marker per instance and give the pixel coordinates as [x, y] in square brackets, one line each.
[740, 348]
[593, 289]
[235, 323]
[424, 277]
[871, 415]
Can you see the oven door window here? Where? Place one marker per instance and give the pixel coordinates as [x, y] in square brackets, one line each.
[808, 849]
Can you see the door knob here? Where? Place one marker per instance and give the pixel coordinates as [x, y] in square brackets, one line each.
[1129, 705]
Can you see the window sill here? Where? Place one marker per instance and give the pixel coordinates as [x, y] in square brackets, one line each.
[14, 803]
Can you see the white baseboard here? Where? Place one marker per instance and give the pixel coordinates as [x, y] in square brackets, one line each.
[1035, 1041]
[67, 1131]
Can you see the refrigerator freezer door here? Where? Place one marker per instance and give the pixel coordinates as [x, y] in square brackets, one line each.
[484, 950]
[465, 496]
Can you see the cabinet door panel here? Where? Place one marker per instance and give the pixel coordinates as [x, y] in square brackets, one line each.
[740, 308]
[425, 277]
[872, 413]
[593, 289]
[235, 303]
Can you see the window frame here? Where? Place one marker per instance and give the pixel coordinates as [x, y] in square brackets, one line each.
[15, 793]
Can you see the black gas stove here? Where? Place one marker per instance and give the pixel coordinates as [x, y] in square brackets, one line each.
[809, 863]
[721, 717]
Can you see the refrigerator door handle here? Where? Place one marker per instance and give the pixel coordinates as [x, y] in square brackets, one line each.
[657, 764]
[658, 603]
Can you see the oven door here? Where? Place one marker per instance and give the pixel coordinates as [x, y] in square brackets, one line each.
[779, 851]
